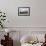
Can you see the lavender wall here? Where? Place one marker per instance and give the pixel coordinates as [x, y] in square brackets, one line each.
[37, 16]
[35, 22]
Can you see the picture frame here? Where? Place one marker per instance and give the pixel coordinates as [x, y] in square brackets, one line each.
[24, 11]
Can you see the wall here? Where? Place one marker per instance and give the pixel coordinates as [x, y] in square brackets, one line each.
[35, 22]
[37, 16]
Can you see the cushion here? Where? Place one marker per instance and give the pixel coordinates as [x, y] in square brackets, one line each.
[26, 39]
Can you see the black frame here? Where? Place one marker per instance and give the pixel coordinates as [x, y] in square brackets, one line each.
[22, 14]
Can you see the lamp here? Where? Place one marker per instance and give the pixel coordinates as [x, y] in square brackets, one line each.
[7, 31]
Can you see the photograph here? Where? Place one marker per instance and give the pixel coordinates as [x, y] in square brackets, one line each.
[24, 11]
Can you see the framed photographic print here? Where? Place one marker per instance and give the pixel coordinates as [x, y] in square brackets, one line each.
[24, 11]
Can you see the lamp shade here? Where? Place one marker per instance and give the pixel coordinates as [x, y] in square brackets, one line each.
[7, 30]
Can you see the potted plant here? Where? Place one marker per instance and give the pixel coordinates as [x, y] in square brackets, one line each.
[2, 19]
